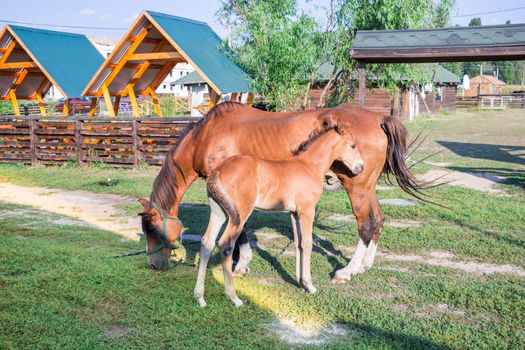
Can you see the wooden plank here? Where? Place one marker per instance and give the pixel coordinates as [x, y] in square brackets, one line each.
[67, 107]
[32, 140]
[361, 69]
[156, 103]
[93, 106]
[41, 105]
[134, 106]
[8, 51]
[14, 102]
[249, 99]
[135, 147]
[61, 132]
[439, 54]
[116, 106]
[18, 65]
[213, 99]
[125, 133]
[156, 56]
[107, 100]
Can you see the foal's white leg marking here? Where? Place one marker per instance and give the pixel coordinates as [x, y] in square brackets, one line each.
[370, 255]
[354, 267]
[305, 229]
[245, 256]
[217, 218]
[297, 243]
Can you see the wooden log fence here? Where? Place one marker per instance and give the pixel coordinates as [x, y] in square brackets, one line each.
[118, 142]
[492, 101]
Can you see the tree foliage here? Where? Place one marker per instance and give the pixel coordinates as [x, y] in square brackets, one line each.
[277, 44]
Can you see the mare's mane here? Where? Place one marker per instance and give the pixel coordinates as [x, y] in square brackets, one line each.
[163, 195]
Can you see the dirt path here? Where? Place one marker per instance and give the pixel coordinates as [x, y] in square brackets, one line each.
[85, 208]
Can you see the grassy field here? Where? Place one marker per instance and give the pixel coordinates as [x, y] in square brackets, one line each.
[62, 287]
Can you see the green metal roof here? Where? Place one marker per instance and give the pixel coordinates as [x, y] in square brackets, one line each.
[484, 36]
[439, 74]
[206, 50]
[70, 59]
[189, 79]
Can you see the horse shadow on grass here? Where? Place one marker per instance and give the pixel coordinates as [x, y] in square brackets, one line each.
[195, 218]
[501, 153]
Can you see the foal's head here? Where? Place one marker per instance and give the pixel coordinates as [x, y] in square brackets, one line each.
[161, 231]
[347, 151]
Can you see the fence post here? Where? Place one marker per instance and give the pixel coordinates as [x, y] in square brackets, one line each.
[78, 141]
[135, 144]
[32, 141]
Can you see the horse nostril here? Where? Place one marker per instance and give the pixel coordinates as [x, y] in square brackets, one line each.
[358, 169]
[153, 266]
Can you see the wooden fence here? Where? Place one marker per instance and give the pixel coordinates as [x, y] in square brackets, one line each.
[492, 101]
[119, 142]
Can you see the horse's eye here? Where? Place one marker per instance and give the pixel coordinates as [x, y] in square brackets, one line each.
[353, 146]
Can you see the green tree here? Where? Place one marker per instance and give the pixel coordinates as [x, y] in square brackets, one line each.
[475, 22]
[277, 44]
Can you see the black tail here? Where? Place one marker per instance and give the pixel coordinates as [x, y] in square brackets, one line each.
[396, 156]
[216, 191]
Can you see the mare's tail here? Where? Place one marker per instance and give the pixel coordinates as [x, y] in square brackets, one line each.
[396, 156]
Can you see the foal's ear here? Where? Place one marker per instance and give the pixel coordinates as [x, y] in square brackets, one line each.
[144, 202]
[329, 121]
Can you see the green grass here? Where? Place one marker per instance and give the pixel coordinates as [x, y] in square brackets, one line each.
[62, 288]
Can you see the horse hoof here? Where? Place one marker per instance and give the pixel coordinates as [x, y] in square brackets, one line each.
[201, 302]
[241, 272]
[341, 279]
[237, 302]
[310, 289]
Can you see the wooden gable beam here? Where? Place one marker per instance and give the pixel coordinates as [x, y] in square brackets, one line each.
[143, 33]
[8, 51]
[156, 56]
[18, 65]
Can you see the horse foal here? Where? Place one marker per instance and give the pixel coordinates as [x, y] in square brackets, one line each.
[244, 183]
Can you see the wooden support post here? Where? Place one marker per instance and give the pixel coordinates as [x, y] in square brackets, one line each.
[134, 106]
[361, 69]
[116, 106]
[32, 142]
[136, 142]
[12, 95]
[78, 141]
[41, 104]
[156, 103]
[93, 106]
[107, 100]
[214, 98]
[234, 97]
[249, 99]
[67, 107]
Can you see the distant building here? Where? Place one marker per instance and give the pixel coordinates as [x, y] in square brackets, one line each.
[484, 85]
[196, 86]
[180, 71]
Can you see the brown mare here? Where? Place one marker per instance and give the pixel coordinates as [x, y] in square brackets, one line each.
[244, 183]
[232, 129]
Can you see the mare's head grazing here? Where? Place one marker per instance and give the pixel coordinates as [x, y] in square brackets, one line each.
[160, 223]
